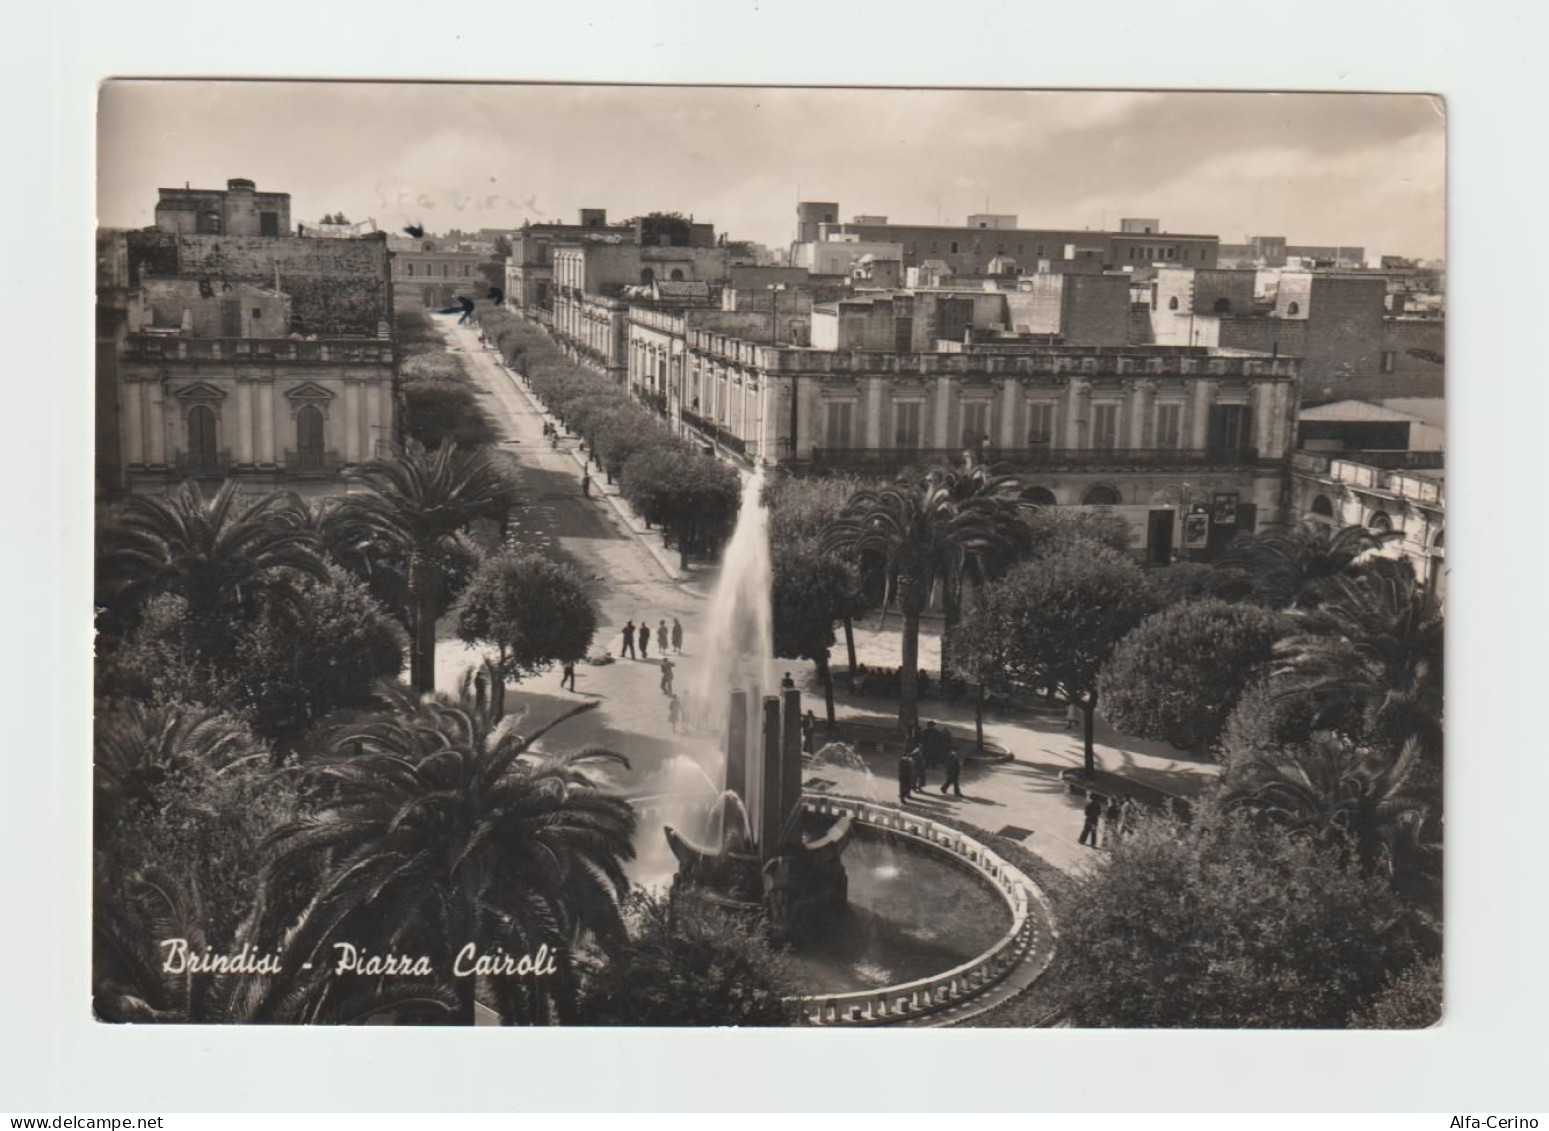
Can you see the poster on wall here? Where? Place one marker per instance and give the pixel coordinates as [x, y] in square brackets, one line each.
[1224, 506]
[1196, 531]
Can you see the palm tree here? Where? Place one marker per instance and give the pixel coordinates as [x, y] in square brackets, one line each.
[1373, 652]
[996, 495]
[1294, 568]
[439, 827]
[218, 553]
[1366, 801]
[923, 532]
[406, 520]
[137, 746]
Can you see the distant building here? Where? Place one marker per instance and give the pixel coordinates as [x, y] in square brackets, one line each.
[239, 354]
[237, 210]
[431, 274]
[1274, 251]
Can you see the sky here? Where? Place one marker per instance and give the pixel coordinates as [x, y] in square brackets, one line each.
[1365, 170]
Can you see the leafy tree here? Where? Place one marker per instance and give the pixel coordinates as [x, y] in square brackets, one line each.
[1193, 581]
[689, 963]
[980, 649]
[440, 401]
[1057, 620]
[1222, 925]
[1260, 721]
[219, 554]
[438, 827]
[811, 591]
[533, 610]
[1374, 648]
[1053, 530]
[1179, 675]
[1293, 568]
[920, 531]
[407, 515]
[665, 229]
[1366, 803]
[694, 498]
[503, 247]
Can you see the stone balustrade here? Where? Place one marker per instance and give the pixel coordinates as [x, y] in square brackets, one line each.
[886, 1004]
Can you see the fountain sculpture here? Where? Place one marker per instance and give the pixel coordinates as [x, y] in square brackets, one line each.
[766, 855]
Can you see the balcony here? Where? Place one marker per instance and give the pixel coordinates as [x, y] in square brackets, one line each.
[201, 464]
[715, 433]
[313, 461]
[1042, 457]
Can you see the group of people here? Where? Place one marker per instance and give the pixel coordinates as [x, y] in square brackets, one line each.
[926, 749]
[1114, 814]
[888, 682]
[665, 638]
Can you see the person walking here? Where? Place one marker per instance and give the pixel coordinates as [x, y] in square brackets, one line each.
[629, 641]
[1070, 717]
[661, 637]
[954, 773]
[467, 304]
[645, 640]
[674, 712]
[666, 676]
[809, 729]
[1094, 813]
[586, 484]
[787, 684]
[568, 676]
[929, 752]
[905, 778]
[677, 636]
[1111, 818]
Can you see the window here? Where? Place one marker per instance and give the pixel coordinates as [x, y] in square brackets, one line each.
[1379, 523]
[465, 270]
[954, 247]
[1040, 423]
[209, 224]
[1222, 306]
[268, 223]
[1322, 507]
[1172, 303]
[1169, 425]
[258, 312]
[1294, 308]
[841, 420]
[906, 424]
[409, 270]
[647, 276]
[677, 275]
[1039, 497]
[1185, 254]
[1388, 359]
[1132, 253]
[309, 439]
[1101, 496]
[1105, 427]
[1228, 431]
[976, 422]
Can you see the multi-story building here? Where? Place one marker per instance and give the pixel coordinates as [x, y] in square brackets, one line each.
[1161, 435]
[967, 250]
[268, 359]
[1338, 323]
[530, 267]
[237, 210]
[1274, 251]
[431, 274]
[1382, 491]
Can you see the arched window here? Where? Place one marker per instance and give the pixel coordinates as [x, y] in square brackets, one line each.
[1439, 542]
[677, 275]
[1039, 497]
[1223, 306]
[203, 455]
[647, 276]
[1101, 496]
[1322, 507]
[1172, 303]
[1379, 523]
[1294, 308]
[309, 438]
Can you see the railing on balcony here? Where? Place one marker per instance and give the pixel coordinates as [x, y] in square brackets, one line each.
[715, 433]
[1043, 457]
[312, 461]
[202, 463]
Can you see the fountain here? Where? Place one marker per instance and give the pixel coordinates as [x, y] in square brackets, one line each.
[765, 857]
[916, 918]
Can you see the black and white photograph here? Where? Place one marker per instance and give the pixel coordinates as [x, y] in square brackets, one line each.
[586, 555]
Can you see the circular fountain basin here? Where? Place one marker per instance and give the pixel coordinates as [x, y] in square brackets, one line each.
[933, 918]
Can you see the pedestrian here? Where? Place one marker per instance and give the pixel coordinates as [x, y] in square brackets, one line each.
[645, 640]
[927, 753]
[1126, 816]
[586, 484]
[787, 684]
[677, 636]
[629, 641]
[666, 676]
[905, 778]
[1094, 813]
[661, 637]
[674, 712]
[568, 676]
[467, 310]
[954, 773]
[1070, 717]
[809, 730]
[1111, 817]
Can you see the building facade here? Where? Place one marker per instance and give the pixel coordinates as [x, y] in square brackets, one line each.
[237, 210]
[430, 275]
